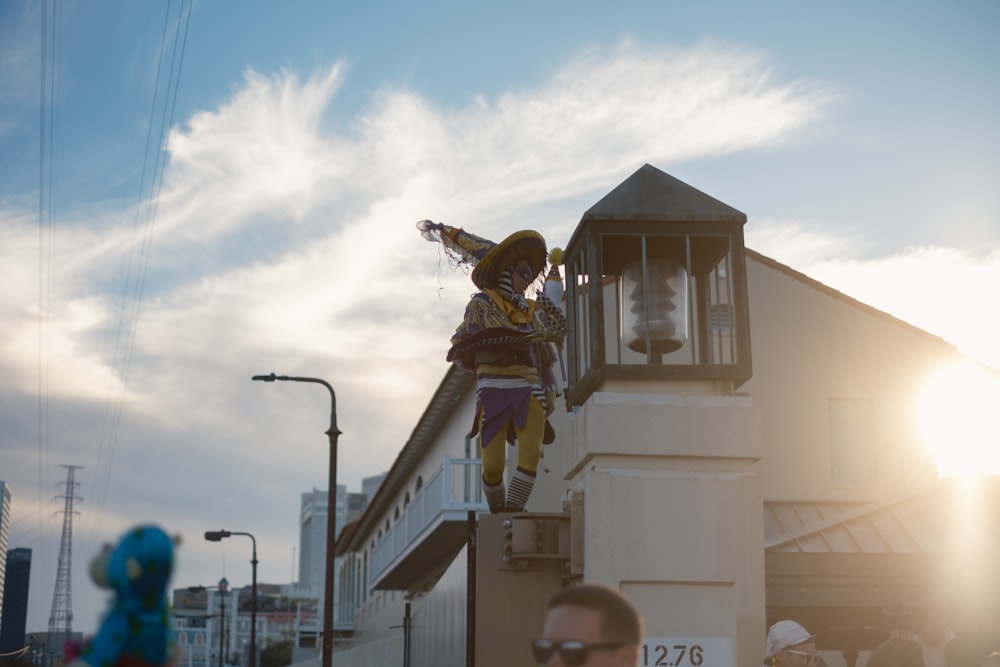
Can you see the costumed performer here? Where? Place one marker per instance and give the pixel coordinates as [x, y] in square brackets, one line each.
[512, 344]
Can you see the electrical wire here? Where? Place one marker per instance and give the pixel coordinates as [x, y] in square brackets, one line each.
[142, 237]
[47, 90]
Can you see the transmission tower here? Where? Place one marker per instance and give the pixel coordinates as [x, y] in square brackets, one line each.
[61, 618]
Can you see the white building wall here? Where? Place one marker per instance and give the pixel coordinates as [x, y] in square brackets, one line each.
[811, 347]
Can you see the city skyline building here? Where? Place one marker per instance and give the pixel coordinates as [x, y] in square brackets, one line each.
[312, 537]
[5, 502]
[312, 525]
[292, 610]
[312, 533]
[16, 583]
[369, 485]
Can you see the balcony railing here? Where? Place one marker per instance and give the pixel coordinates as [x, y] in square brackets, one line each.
[451, 492]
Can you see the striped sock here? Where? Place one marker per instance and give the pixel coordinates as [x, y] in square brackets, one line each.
[520, 488]
[494, 496]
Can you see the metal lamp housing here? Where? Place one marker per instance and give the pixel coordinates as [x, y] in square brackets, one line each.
[656, 289]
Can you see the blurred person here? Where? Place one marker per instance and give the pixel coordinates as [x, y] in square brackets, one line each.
[992, 660]
[791, 645]
[939, 646]
[901, 648]
[589, 625]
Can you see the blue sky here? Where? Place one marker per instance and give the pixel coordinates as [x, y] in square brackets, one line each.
[252, 210]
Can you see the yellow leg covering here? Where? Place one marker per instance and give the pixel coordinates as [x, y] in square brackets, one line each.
[529, 438]
[529, 446]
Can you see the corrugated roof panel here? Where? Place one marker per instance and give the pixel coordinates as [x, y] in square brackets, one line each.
[841, 539]
[926, 522]
[784, 517]
[922, 521]
[883, 533]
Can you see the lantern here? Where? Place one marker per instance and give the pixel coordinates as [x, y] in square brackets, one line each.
[656, 291]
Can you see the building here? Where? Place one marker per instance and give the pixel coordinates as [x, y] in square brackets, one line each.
[203, 640]
[369, 487]
[313, 518]
[291, 612]
[312, 537]
[5, 500]
[802, 491]
[313, 521]
[16, 585]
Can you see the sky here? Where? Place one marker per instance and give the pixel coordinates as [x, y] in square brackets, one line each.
[195, 193]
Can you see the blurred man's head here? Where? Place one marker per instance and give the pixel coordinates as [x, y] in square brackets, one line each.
[589, 626]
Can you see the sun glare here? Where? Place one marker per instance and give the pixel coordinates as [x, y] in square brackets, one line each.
[958, 412]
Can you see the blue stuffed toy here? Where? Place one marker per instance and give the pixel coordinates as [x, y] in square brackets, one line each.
[136, 630]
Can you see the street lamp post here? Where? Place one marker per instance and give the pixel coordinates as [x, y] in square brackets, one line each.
[333, 433]
[217, 536]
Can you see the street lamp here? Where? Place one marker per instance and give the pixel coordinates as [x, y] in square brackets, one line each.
[332, 433]
[216, 536]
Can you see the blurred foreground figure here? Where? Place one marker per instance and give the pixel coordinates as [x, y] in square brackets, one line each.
[136, 630]
[592, 626]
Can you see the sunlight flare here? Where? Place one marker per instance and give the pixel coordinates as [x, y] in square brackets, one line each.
[956, 414]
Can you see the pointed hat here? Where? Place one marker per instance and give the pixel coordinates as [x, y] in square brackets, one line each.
[487, 258]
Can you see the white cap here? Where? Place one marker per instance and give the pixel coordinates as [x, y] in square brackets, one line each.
[784, 634]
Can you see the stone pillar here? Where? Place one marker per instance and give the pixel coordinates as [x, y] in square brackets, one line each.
[674, 516]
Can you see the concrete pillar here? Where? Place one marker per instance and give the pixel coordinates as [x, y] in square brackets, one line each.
[674, 516]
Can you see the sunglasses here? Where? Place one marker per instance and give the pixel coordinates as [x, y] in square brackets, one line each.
[571, 652]
[808, 659]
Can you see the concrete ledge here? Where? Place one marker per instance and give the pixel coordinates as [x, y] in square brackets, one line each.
[663, 425]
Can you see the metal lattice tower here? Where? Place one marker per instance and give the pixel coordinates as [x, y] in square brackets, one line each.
[61, 618]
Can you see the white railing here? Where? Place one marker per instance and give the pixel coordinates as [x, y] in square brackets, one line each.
[454, 488]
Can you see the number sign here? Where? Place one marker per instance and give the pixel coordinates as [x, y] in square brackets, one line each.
[686, 652]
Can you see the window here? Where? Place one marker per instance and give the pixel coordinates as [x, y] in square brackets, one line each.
[853, 449]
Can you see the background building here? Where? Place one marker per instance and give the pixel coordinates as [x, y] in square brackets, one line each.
[312, 538]
[5, 500]
[287, 613]
[16, 584]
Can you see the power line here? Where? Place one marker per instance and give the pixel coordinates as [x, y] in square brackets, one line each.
[46, 179]
[143, 227]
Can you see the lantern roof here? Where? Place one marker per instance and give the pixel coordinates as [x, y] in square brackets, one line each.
[650, 194]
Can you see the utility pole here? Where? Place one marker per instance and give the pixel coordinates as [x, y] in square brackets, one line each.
[61, 617]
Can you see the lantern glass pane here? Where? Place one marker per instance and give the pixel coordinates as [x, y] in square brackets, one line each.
[714, 308]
